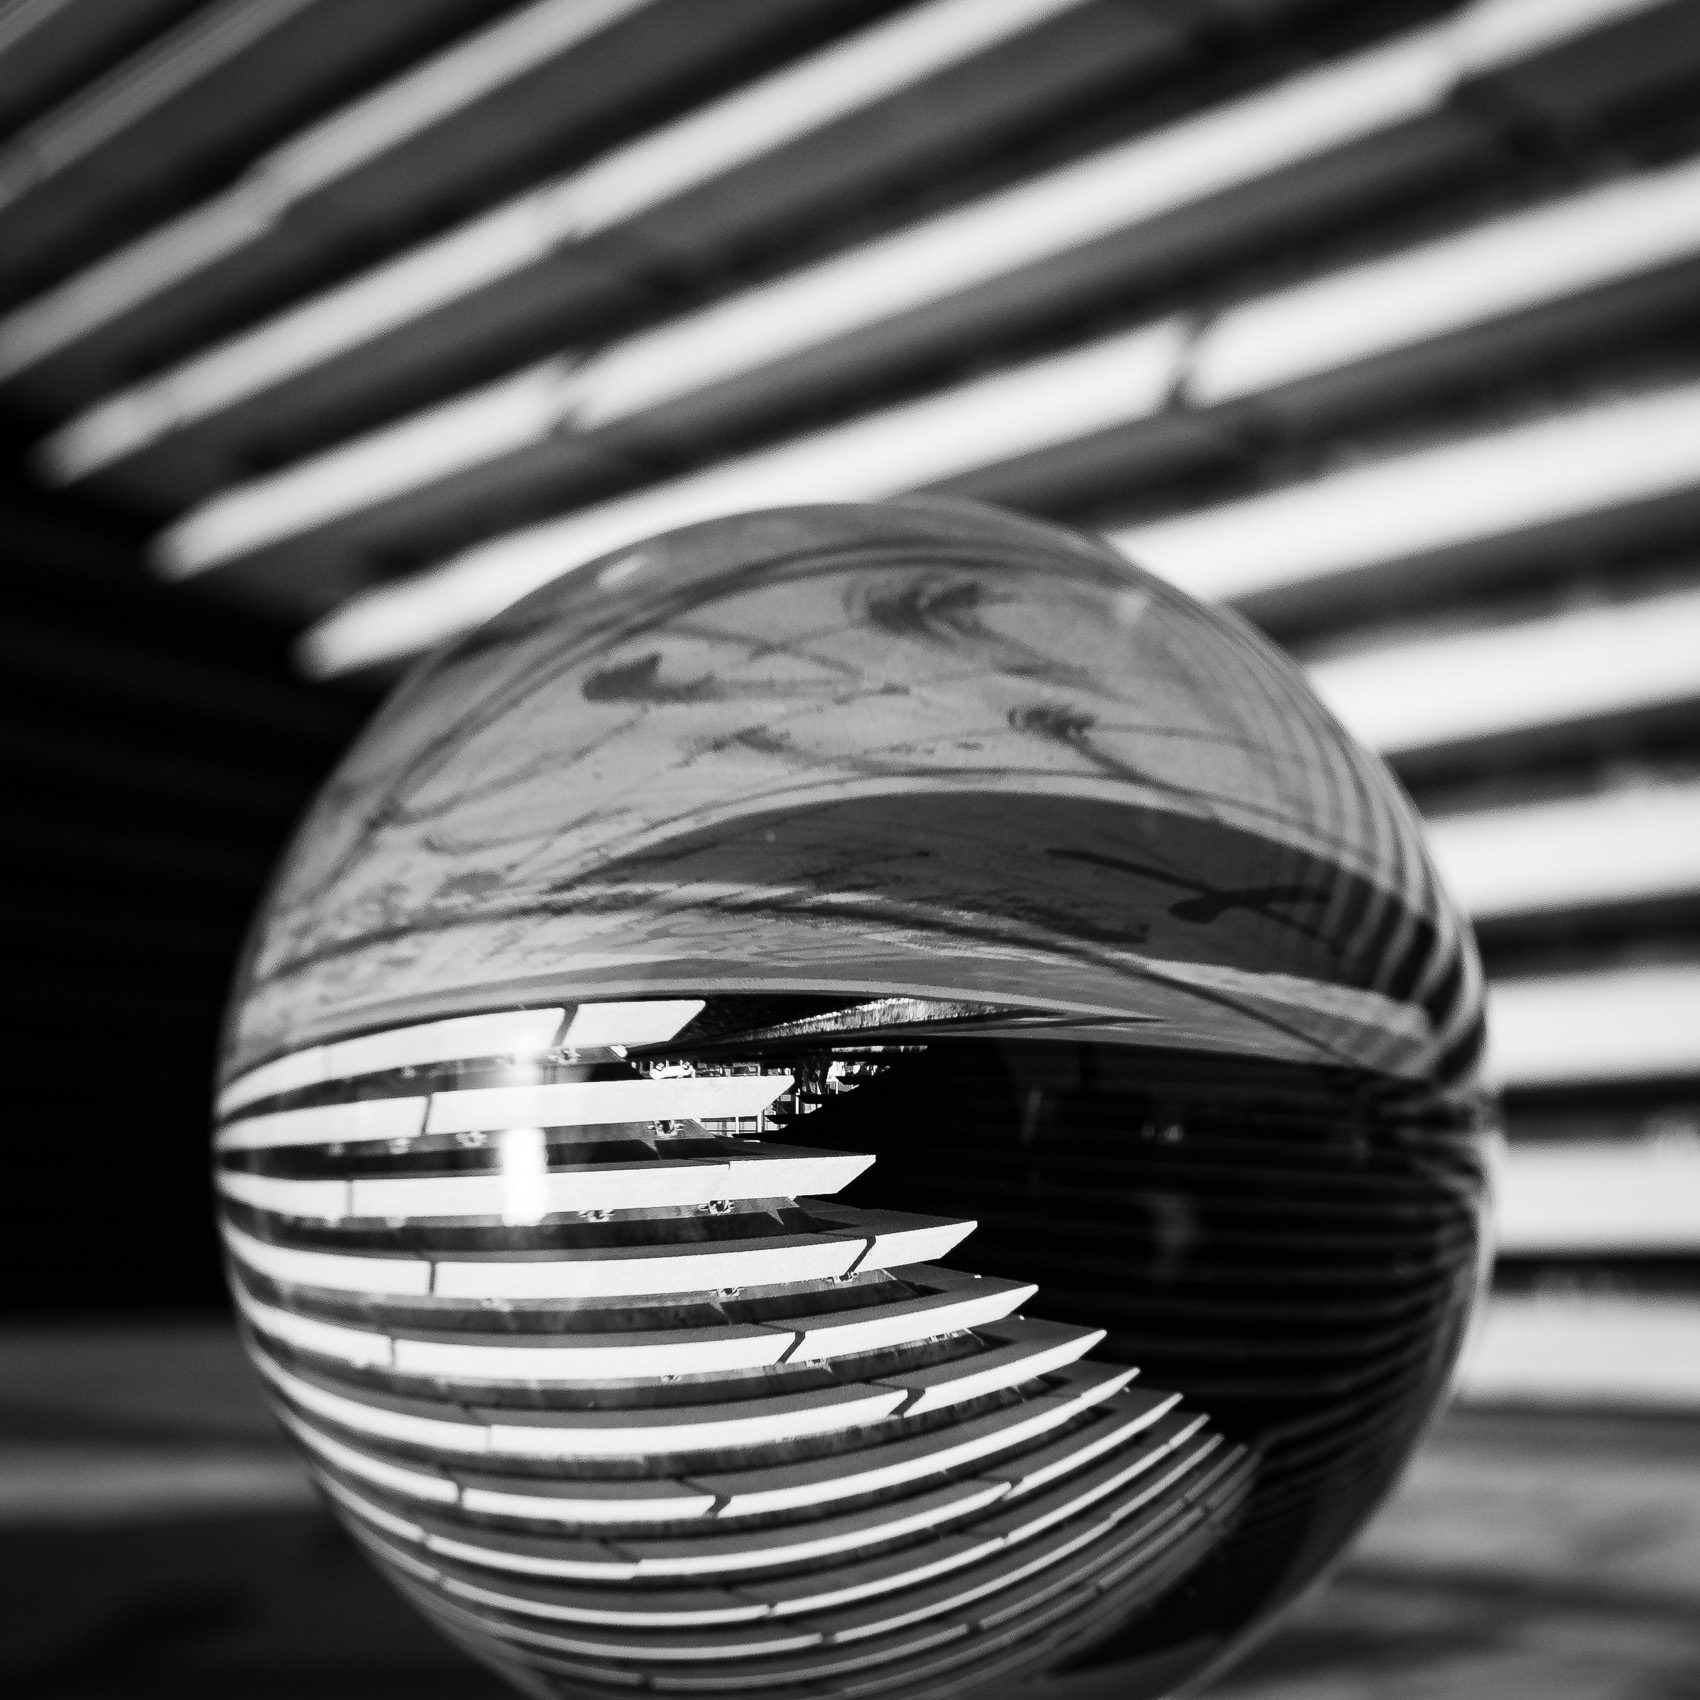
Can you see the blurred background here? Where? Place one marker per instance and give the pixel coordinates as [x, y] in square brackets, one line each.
[329, 327]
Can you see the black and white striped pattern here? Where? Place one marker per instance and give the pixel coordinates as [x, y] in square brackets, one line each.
[1358, 314]
[602, 1376]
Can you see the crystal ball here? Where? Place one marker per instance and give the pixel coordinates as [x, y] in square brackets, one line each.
[855, 1100]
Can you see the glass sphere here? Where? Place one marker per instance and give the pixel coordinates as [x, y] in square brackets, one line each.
[855, 1100]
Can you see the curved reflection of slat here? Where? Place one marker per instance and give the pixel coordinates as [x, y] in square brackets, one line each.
[626, 1402]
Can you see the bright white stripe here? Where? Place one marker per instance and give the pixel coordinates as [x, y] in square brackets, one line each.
[1033, 1349]
[574, 1502]
[1119, 1423]
[357, 1346]
[894, 1246]
[818, 1590]
[589, 1103]
[1427, 693]
[1028, 1519]
[589, 1502]
[1609, 1351]
[695, 1267]
[762, 1643]
[702, 1555]
[382, 1518]
[508, 1033]
[135, 89]
[600, 1563]
[590, 1357]
[1611, 1024]
[963, 1304]
[887, 1240]
[299, 339]
[327, 1201]
[660, 1269]
[416, 1484]
[800, 1543]
[649, 1609]
[596, 1026]
[602, 1434]
[1610, 847]
[1601, 1196]
[463, 73]
[440, 1434]
[687, 1351]
[599, 1357]
[624, 1273]
[422, 450]
[1493, 33]
[340, 1271]
[893, 54]
[1467, 279]
[146, 267]
[326, 1124]
[601, 1186]
[1490, 485]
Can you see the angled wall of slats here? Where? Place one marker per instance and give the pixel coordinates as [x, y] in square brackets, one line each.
[1378, 321]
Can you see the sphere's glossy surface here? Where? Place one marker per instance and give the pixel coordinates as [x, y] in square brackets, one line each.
[714, 996]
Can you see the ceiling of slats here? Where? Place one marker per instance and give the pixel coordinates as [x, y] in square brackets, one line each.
[1377, 320]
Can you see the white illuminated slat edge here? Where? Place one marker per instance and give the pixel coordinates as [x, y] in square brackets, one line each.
[947, 1303]
[1633, 1196]
[1565, 669]
[1518, 260]
[600, 1434]
[763, 1173]
[1598, 1027]
[587, 1103]
[506, 1033]
[1586, 1352]
[1575, 852]
[885, 1242]
[1492, 484]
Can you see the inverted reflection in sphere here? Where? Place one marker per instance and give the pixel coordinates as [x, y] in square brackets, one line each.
[857, 1100]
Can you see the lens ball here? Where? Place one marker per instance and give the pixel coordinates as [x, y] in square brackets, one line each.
[855, 1100]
